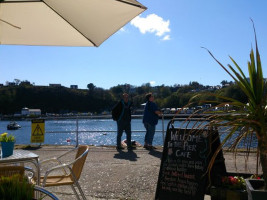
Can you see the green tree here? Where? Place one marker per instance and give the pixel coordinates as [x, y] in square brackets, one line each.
[91, 87]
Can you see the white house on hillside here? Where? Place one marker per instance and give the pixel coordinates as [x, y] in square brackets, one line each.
[26, 111]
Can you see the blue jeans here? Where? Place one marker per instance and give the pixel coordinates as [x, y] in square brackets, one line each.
[150, 132]
[124, 125]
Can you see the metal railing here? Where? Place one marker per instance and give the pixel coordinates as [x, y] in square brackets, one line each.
[77, 131]
[179, 117]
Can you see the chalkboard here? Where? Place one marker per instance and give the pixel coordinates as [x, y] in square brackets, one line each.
[185, 158]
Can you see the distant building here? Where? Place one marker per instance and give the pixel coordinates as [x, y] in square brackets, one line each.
[54, 85]
[11, 83]
[17, 115]
[132, 90]
[74, 86]
[26, 112]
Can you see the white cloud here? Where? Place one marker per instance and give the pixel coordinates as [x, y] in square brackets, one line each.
[152, 24]
[167, 37]
[152, 83]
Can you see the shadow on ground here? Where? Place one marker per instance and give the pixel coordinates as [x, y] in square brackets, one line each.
[129, 155]
[155, 153]
[29, 147]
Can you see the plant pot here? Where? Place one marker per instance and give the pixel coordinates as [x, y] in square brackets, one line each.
[7, 149]
[255, 189]
[218, 193]
[14, 186]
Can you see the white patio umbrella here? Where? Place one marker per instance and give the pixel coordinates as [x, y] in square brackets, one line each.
[64, 22]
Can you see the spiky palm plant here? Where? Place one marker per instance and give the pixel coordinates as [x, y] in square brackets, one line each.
[246, 120]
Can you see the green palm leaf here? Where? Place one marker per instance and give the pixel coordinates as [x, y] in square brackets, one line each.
[244, 120]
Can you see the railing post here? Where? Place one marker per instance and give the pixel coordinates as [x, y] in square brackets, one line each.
[77, 132]
[163, 134]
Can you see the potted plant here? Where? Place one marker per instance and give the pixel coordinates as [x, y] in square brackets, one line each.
[246, 119]
[16, 187]
[233, 187]
[7, 143]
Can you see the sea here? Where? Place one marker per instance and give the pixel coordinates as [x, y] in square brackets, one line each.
[97, 132]
[100, 131]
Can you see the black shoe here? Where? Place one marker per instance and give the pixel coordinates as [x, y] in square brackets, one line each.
[119, 148]
[149, 147]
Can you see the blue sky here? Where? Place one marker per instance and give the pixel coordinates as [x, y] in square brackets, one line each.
[161, 46]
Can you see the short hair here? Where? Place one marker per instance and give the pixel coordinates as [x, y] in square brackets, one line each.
[148, 95]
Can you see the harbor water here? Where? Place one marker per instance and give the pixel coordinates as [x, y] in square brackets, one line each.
[100, 131]
[90, 131]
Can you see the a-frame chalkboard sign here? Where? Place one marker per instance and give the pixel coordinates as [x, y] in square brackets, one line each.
[185, 158]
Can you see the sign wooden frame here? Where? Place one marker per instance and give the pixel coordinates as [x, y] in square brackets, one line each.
[186, 155]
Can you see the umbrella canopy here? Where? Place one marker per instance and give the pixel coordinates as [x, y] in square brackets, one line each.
[64, 22]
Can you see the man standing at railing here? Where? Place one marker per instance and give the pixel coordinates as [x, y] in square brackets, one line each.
[122, 114]
[150, 120]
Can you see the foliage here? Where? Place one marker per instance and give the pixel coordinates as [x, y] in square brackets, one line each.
[4, 137]
[16, 188]
[233, 182]
[233, 92]
[244, 120]
[53, 99]
[236, 182]
[94, 99]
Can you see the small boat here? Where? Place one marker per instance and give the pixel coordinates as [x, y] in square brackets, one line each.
[13, 126]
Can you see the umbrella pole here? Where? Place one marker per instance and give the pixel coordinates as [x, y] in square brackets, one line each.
[163, 135]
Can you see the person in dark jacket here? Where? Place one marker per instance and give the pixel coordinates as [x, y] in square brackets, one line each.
[124, 121]
[150, 120]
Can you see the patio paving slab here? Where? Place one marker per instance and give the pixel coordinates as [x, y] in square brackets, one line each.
[113, 175]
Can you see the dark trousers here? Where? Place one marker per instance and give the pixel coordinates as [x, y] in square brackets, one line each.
[150, 132]
[124, 125]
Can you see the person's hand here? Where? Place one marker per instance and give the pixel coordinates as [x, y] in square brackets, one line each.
[159, 113]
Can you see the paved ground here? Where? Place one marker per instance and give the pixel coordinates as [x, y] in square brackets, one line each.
[108, 174]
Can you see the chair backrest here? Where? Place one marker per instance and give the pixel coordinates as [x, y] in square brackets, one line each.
[77, 167]
[8, 171]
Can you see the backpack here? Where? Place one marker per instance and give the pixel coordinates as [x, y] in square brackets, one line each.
[116, 111]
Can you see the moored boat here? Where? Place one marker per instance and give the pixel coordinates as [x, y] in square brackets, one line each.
[13, 126]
